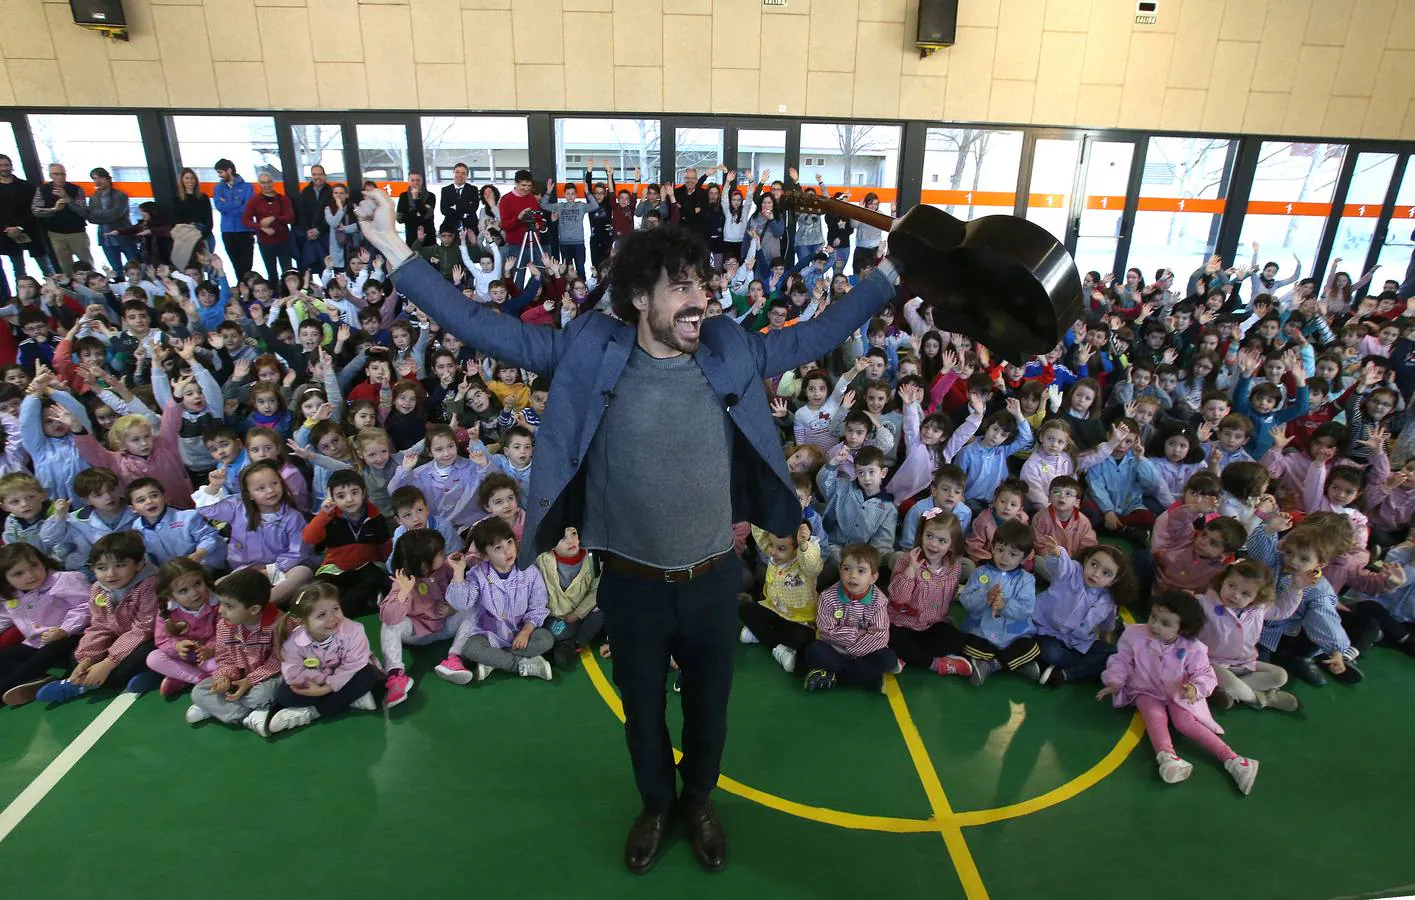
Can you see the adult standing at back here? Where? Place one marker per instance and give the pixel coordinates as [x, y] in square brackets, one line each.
[459, 203]
[658, 436]
[519, 211]
[192, 207]
[417, 210]
[108, 209]
[230, 197]
[310, 236]
[63, 209]
[271, 215]
[19, 230]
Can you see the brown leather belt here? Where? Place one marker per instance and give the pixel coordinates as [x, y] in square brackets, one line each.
[672, 576]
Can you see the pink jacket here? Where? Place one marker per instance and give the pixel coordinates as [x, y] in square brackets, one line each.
[165, 463]
[306, 663]
[1290, 470]
[201, 626]
[421, 608]
[1177, 566]
[979, 540]
[1039, 470]
[1389, 510]
[1075, 535]
[1231, 635]
[60, 602]
[1314, 496]
[1145, 666]
[916, 469]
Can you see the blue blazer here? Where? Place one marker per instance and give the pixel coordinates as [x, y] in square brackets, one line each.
[584, 361]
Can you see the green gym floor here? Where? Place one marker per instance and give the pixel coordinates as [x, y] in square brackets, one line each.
[517, 788]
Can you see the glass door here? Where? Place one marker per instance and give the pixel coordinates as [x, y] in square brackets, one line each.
[1077, 188]
[382, 155]
[761, 154]
[699, 149]
[319, 144]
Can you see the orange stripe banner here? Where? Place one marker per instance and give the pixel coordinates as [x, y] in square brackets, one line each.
[969, 198]
[1281, 208]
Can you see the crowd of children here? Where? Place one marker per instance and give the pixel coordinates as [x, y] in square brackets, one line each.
[204, 481]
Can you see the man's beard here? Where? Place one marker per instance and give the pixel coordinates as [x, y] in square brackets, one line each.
[663, 328]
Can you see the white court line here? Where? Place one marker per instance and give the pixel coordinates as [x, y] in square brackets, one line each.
[45, 781]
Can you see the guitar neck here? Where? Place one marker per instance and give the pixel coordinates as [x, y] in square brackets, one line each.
[856, 213]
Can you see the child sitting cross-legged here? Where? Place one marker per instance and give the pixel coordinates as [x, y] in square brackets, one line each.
[571, 577]
[122, 614]
[416, 610]
[504, 608]
[784, 618]
[1075, 615]
[1236, 608]
[265, 527]
[355, 538]
[923, 586]
[325, 663]
[1062, 521]
[1117, 478]
[857, 511]
[186, 626]
[242, 689]
[852, 627]
[999, 598]
[48, 608]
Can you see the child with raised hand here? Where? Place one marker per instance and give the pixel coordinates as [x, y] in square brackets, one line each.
[1176, 452]
[1233, 433]
[1162, 668]
[105, 511]
[416, 610]
[1075, 615]
[811, 422]
[984, 459]
[921, 590]
[325, 663]
[1006, 506]
[1390, 497]
[946, 493]
[136, 451]
[266, 528]
[571, 579]
[858, 432]
[783, 620]
[186, 626]
[356, 539]
[1390, 605]
[999, 598]
[48, 608]
[858, 509]
[242, 689]
[1117, 478]
[1236, 608]
[1312, 637]
[1053, 457]
[1191, 543]
[1263, 403]
[447, 481]
[1336, 490]
[326, 439]
[1061, 521]
[928, 444]
[505, 609]
[170, 533]
[47, 435]
[31, 518]
[265, 444]
[852, 627]
[200, 400]
[122, 612]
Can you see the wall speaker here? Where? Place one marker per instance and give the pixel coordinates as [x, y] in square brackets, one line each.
[938, 23]
[103, 16]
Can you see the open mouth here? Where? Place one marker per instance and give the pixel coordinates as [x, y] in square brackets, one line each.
[688, 324]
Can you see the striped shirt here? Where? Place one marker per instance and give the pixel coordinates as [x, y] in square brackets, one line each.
[854, 627]
[245, 652]
[918, 602]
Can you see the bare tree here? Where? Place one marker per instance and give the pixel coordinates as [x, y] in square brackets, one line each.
[857, 140]
[310, 143]
[965, 144]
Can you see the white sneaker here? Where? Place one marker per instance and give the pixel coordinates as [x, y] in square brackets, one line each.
[294, 717]
[196, 714]
[257, 722]
[1244, 772]
[366, 702]
[1173, 769]
[747, 637]
[785, 656]
[484, 671]
[533, 667]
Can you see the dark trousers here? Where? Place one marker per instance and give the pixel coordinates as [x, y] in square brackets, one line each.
[1074, 664]
[1357, 622]
[921, 648]
[240, 246]
[772, 630]
[1013, 657]
[273, 256]
[22, 663]
[574, 251]
[601, 243]
[581, 633]
[330, 704]
[851, 669]
[359, 589]
[694, 622]
[309, 253]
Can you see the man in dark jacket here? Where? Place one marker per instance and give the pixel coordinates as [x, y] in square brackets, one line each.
[19, 230]
[63, 209]
[459, 203]
[311, 231]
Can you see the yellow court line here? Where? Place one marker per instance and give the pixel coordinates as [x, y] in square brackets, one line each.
[947, 823]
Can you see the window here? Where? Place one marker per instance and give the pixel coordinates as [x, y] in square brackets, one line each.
[972, 172]
[695, 148]
[383, 155]
[625, 144]
[248, 141]
[82, 142]
[319, 145]
[1291, 198]
[492, 147]
[853, 157]
[1370, 179]
[1182, 195]
[1400, 235]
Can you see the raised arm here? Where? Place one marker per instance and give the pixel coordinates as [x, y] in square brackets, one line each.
[789, 348]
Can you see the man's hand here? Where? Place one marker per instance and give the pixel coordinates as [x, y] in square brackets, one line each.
[378, 221]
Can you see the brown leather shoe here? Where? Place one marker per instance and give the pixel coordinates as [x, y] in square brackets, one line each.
[22, 694]
[706, 835]
[644, 845]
